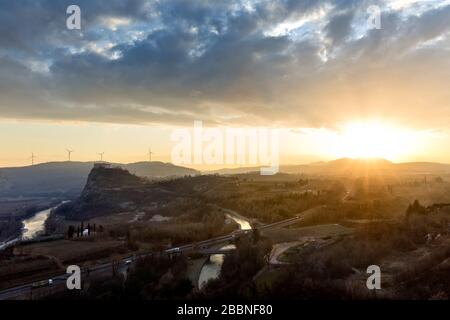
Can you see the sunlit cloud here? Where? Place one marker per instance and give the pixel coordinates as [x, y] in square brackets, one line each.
[302, 64]
[113, 23]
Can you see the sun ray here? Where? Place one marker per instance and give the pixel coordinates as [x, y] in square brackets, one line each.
[374, 139]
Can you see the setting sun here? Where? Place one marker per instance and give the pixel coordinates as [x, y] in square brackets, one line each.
[374, 140]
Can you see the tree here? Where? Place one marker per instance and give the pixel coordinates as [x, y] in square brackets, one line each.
[256, 235]
[416, 208]
[438, 180]
[70, 232]
[115, 265]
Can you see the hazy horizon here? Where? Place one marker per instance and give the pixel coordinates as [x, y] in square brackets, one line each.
[206, 168]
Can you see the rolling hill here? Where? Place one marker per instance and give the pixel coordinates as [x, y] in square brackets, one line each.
[68, 178]
[352, 167]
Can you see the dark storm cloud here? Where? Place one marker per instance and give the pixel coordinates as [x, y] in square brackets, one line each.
[31, 24]
[339, 27]
[175, 61]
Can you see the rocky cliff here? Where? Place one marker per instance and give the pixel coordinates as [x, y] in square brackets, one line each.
[111, 190]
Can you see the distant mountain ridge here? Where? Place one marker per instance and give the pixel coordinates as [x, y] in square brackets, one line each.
[68, 178]
[348, 166]
[61, 178]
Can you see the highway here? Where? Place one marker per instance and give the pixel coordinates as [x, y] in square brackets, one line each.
[9, 243]
[202, 247]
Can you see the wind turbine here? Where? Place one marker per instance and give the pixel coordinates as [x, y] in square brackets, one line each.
[150, 154]
[101, 155]
[69, 152]
[32, 158]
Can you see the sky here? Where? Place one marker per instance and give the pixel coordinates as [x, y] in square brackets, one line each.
[139, 69]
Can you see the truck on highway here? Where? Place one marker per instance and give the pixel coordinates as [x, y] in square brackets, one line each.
[42, 283]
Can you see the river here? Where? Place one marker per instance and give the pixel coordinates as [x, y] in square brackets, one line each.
[211, 269]
[35, 226]
[243, 224]
[32, 227]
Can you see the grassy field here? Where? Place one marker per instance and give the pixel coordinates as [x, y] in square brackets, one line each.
[25, 269]
[296, 234]
[426, 193]
[67, 251]
[290, 243]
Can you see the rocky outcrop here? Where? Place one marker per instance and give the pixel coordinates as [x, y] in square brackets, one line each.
[111, 190]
